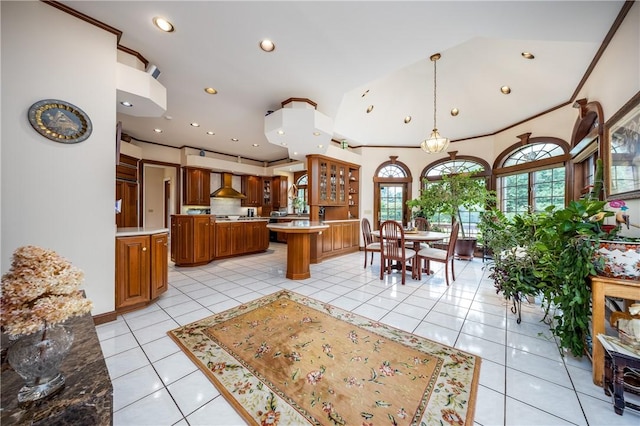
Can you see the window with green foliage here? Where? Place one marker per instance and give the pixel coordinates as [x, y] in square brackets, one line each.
[392, 186]
[435, 171]
[536, 187]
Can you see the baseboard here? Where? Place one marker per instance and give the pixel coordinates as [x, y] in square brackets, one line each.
[104, 318]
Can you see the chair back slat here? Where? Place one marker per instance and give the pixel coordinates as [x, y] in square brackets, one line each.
[455, 228]
[392, 245]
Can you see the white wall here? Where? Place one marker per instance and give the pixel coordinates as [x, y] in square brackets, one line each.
[54, 195]
[153, 207]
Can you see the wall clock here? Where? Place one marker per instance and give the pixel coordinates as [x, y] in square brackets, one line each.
[59, 121]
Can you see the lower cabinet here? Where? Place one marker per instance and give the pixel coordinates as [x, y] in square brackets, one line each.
[238, 238]
[192, 239]
[141, 269]
[342, 237]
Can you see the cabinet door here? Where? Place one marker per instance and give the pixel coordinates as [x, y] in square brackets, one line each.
[237, 238]
[128, 193]
[182, 232]
[212, 238]
[223, 239]
[159, 267]
[132, 271]
[347, 235]
[252, 188]
[337, 236]
[196, 187]
[323, 182]
[201, 250]
[327, 239]
[342, 185]
[255, 235]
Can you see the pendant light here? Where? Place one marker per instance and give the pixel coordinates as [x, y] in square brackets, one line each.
[434, 143]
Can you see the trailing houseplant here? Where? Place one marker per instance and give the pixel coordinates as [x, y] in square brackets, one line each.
[559, 246]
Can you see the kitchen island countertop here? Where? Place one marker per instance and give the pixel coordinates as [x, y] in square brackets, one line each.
[135, 231]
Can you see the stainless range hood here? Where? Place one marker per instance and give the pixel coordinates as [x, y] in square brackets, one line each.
[227, 191]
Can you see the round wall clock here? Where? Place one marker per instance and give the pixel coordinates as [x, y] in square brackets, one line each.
[59, 121]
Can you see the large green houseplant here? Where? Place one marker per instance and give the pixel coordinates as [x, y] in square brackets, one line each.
[550, 254]
[449, 196]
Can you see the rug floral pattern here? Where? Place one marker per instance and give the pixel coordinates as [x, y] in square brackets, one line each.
[287, 359]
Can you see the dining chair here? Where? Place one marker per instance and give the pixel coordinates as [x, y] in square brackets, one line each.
[392, 249]
[440, 255]
[369, 244]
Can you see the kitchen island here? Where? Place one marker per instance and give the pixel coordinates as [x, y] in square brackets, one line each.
[298, 245]
[199, 239]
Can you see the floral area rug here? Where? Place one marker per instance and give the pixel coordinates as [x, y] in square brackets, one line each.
[291, 360]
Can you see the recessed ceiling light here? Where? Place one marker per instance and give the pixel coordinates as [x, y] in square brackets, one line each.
[163, 24]
[295, 153]
[168, 117]
[281, 132]
[316, 133]
[267, 45]
[369, 109]
[505, 89]
[527, 55]
[194, 124]
[235, 139]
[126, 103]
[365, 93]
[455, 111]
[256, 144]
[283, 143]
[210, 133]
[320, 146]
[407, 119]
[157, 130]
[210, 90]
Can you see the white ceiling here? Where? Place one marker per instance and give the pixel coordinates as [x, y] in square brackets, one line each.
[331, 52]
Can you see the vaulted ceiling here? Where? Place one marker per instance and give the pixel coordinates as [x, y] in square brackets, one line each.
[348, 56]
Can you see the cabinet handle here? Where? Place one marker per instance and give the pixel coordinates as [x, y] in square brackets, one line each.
[144, 249]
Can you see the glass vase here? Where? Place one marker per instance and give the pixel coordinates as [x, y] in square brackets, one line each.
[37, 357]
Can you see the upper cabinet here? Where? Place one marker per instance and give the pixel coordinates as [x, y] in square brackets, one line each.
[127, 191]
[331, 181]
[196, 186]
[353, 197]
[252, 188]
[279, 192]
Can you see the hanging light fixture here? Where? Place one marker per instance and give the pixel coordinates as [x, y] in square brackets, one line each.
[434, 143]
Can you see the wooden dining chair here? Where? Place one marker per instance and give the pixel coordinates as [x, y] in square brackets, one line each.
[392, 249]
[369, 244]
[440, 255]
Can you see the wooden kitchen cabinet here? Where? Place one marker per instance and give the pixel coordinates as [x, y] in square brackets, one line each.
[279, 188]
[256, 236]
[141, 270]
[191, 239]
[159, 268]
[252, 188]
[128, 193]
[342, 237]
[196, 186]
[223, 239]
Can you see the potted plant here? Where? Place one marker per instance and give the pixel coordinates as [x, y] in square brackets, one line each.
[448, 196]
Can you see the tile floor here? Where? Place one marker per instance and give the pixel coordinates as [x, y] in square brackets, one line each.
[524, 379]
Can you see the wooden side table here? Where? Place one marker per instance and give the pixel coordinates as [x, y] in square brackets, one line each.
[600, 288]
[617, 359]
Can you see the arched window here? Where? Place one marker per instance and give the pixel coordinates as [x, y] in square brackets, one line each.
[532, 175]
[456, 165]
[392, 186]
[301, 185]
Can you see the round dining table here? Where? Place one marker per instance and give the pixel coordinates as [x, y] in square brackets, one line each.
[418, 237]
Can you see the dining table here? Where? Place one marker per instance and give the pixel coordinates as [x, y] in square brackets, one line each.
[417, 237]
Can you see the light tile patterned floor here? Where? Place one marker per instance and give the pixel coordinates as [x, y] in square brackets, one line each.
[524, 379]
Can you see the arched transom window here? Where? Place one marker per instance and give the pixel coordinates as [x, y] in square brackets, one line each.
[392, 171]
[532, 175]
